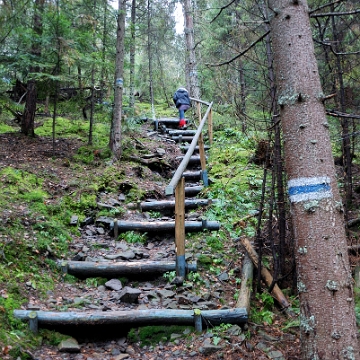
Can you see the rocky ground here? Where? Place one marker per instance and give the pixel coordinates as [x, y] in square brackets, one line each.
[96, 243]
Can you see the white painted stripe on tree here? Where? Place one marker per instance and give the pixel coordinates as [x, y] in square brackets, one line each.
[311, 188]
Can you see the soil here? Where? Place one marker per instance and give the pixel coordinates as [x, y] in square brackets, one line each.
[96, 243]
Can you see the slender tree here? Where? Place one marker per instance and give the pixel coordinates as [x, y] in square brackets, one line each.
[327, 310]
[27, 123]
[132, 55]
[115, 131]
[191, 75]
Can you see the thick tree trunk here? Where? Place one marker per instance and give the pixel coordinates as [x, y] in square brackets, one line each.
[190, 68]
[327, 316]
[115, 131]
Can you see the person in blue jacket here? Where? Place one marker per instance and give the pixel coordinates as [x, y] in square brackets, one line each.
[182, 102]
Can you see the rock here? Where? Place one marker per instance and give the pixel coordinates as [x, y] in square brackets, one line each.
[262, 346]
[122, 245]
[69, 345]
[165, 293]
[112, 256]
[105, 221]
[121, 356]
[276, 355]
[129, 295]
[89, 220]
[183, 300]
[74, 220]
[160, 151]
[121, 197]
[235, 330]
[223, 276]
[114, 284]
[114, 202]
[208, 349]
[127, 255]
[100, 231]
[80, 256]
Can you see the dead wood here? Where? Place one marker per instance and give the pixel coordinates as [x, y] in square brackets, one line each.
[246, 284]
[268, 279]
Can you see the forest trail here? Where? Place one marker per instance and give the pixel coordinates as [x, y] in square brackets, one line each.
[142, 291]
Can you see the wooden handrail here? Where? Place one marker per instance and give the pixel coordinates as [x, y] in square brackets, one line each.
[170, 189]
[201, 101]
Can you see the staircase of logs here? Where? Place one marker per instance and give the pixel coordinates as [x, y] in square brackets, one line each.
[179, 189]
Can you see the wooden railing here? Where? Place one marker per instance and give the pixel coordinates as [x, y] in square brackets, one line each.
[177, 184]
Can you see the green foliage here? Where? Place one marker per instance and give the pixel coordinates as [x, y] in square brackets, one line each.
[151, 335]
[52, 337]
[169, 276]
[133, 237]
[265, 312]
[95, 282]
[155, 214]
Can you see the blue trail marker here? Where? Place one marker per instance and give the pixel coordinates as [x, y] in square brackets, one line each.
[311, 188]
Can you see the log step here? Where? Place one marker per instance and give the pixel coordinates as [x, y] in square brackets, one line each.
[194, 159]
[182, 132]
[193, 190]
[185, 148]
[169, 204]
[133, 317]
[163, 226]
[182, 138]
[108, 269]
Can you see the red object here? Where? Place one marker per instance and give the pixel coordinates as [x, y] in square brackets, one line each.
[182, 123]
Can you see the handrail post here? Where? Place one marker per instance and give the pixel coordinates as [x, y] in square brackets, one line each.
[198, 105]
[204, 176]
[180, 228]
[210, 127]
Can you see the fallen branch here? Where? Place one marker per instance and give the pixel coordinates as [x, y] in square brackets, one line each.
[268, 279]
[246, 284]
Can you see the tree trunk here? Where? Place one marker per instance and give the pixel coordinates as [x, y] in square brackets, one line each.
[115, 131]
[190, 69]
[132, 56]
[327, 314]
[27, 123]
[150, 62]
[346, 140]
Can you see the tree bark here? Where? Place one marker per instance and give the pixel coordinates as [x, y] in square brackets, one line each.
[132, 56]
[327, 314]
[190, 68]
[115, 131]
[27, 123]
